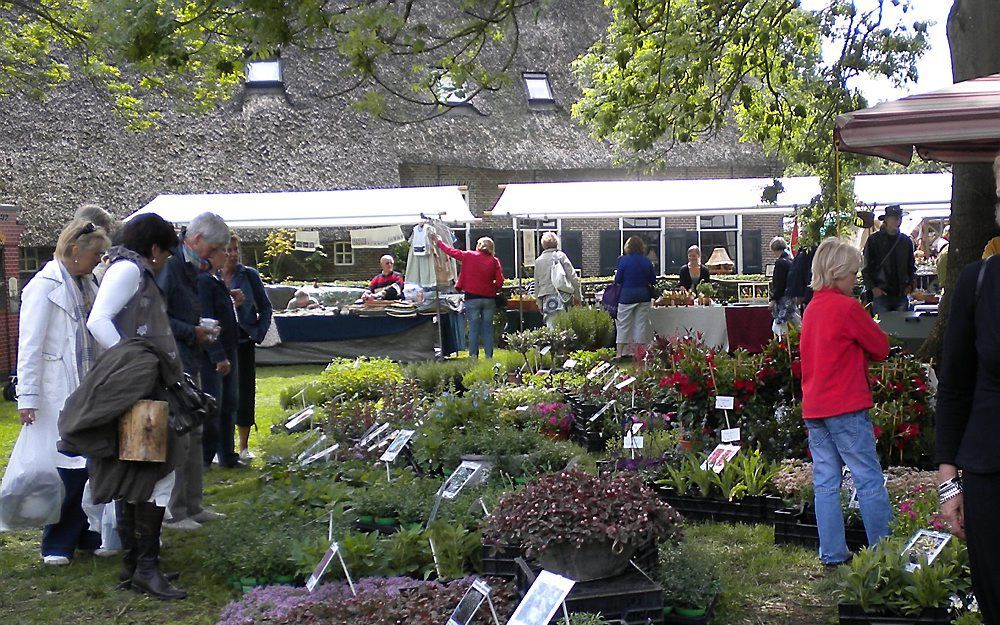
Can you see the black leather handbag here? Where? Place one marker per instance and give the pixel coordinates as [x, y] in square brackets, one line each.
[189, 405]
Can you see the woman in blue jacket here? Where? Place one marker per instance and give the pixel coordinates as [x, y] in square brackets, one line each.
[636, 276]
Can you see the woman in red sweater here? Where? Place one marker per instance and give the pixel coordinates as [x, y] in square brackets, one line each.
[838, 340]
[481, 279]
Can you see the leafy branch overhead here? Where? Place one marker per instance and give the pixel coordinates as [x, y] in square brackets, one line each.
[673, 71]
[401, 57]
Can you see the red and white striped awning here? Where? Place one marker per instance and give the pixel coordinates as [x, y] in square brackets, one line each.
[959, 124]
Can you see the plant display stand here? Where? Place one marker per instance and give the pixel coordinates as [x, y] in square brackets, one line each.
[793, 527]
[854, 615]
[500, 561]
[630, 598]
[747, 510]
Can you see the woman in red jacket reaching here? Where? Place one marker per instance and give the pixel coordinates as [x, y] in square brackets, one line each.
[481, 279]
[838, 340]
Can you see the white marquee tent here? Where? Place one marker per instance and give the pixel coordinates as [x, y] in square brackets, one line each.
[317, 209]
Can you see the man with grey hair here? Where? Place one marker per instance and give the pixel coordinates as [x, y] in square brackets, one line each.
[205, 235]
[379, 285]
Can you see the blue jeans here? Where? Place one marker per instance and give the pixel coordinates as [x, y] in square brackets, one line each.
[72, 531]
[888, 303]
[836, 441]
[218, 432]
[479, 311]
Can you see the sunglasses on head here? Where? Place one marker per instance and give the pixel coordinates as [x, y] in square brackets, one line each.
[90, 228]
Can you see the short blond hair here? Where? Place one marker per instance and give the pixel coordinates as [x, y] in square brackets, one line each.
[550, 241]
[834, 259]
[485, 244]
[83, 234]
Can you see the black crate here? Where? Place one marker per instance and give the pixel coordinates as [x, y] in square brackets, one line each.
[499, 561]
[631, 597]
[854, 615]
[792, 527]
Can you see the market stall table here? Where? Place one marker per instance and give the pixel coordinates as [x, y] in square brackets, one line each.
[722, 327]
[318, 337]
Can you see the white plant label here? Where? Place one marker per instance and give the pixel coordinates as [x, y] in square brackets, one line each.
[470, 603]
[522, 408]
[625, 383]
[720, 457]
[462, 476]
[300, 417]
[725, 402]
[598, 370]
[545, 350]
[320, 455]
[542, 600]
[569, 364]
[332, 551]
[731, 435]
[600, 412]
[402, 438]
[373, 434]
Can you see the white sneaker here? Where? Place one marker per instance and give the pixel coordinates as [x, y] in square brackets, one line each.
[55, 560]
[246, 454]
[207, 515]
[106, 553]
[188, 525]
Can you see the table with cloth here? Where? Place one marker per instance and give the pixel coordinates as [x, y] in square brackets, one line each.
[723, 327]
[321, 336]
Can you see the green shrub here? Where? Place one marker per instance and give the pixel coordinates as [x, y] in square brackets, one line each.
[483, 371]
[689, 575]
[435, 376]
[592, 326]
[364, 378]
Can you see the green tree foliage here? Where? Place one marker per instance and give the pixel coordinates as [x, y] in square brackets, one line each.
[669, 72]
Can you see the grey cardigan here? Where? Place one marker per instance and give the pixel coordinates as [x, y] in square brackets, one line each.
[543, 274]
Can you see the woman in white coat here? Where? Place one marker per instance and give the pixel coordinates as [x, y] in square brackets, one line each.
[55, 350]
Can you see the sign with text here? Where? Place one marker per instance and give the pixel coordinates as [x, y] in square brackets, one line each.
[306, 240]
[300, 417]
[542, 600]
[320, 455]
[725, 402]
[466, 473]
[402, 438]
[333, 551]
[470, 603]
[720, 457]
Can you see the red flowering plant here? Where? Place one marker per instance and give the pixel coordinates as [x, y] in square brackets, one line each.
[554, 418]
[578, 508]
[901, 417]
[685, 367]
[920, 510]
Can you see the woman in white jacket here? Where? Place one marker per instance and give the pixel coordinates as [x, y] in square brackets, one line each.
[551, 300]
[55, 350]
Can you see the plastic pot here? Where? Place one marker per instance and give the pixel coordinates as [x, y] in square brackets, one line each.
[690, 612]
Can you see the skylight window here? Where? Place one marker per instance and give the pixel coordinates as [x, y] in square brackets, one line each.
[264, 73]
[537, 86]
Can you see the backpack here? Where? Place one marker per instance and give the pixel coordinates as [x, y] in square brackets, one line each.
[558, 275]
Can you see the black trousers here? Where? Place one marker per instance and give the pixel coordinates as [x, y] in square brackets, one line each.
[982, 517]
[246, 407]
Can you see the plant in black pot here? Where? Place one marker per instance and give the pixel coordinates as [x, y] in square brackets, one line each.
[580, 526]
[689, 577]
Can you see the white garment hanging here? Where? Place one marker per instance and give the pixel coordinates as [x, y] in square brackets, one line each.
[418, 242]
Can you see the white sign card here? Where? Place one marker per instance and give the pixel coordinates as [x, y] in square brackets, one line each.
[542, 600]
[600, 412]
[320, 454]
[522, 408]
[311, 448]
[924, 544]
[607, 385]
[543, 372]
[545, 350]
[720, 457]
[598, 369]
[470, 603]
[300, 417]
[402, 438]
[725, 402]
[372, 433]
[570, 364]
[381, 441]
[306, 240]
[633, 438]
[462, 476]
[624, 383]
[324, 563]
[731, 435]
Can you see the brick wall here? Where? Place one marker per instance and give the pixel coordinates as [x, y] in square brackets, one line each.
[10, 237]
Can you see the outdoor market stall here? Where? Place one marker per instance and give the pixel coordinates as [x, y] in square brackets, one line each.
[723, 327]
[342, 331]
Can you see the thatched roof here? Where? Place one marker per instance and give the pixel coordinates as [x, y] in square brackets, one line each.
[69, 149]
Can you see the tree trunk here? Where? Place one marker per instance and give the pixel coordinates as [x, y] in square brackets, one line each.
[973, 31]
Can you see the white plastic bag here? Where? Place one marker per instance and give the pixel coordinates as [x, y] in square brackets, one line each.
[558, 275]
[101, 518]
[31, 492]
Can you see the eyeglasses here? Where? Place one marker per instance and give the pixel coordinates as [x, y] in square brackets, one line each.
[90, 228]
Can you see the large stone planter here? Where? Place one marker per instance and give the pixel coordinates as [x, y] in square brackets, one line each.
[590, 561]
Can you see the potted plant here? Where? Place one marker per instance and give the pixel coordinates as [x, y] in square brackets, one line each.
[690, 580]
[578, 525]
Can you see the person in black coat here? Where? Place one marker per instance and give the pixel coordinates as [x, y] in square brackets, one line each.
[890, 269]
[219, 377]
[966, 428]
[694, 273]
[782, 305]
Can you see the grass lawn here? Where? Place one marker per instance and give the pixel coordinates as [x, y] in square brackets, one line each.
[764, 583]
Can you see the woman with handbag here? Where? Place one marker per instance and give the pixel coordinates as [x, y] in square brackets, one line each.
[129, 305]
[55, 351]
[481, 279]
[551, 266]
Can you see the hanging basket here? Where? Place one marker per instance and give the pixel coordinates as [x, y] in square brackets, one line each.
[590, 561]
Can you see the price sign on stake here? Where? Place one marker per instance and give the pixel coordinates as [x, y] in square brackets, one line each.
[625, 383]
[372, 434]
[545, 350]
[402, 438]
[569, 364]
[724, 402]
[324, 563]
[720, 457]
[598, 370]
[320, 454]
[542, 600]
[597, 415]
[470, 603]
[731, 435]
[607, 385]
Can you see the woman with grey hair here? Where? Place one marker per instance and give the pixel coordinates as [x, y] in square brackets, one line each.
[783, 308]
[55, 351]
[556, 284]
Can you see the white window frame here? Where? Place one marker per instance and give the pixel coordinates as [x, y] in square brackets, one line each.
[739, 238]
[538, 78]
[343, 254]
[622, 229]
[264, 72]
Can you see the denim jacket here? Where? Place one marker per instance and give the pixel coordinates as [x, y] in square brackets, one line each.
[254, 315]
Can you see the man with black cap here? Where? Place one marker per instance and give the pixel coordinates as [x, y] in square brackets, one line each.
[889, 267]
